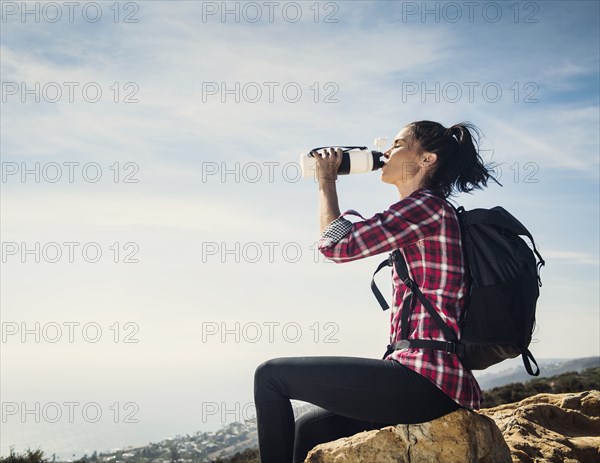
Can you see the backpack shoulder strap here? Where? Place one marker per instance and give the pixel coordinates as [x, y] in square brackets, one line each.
[402, 270]
[382, 302]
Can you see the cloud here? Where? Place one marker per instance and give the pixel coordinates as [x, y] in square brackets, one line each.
[579, 258]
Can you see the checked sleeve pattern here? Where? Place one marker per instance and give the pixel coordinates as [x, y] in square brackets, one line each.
[336, 230]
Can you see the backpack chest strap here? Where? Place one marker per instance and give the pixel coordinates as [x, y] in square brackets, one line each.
[445, 346]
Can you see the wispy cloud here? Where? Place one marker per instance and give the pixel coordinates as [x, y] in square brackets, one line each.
[572, 257]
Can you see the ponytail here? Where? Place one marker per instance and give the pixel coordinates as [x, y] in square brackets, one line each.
[459, 166]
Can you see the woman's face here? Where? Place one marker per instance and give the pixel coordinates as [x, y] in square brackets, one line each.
[401, 160]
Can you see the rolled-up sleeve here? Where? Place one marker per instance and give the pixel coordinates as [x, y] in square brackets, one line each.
[409, 220]
[337, 229]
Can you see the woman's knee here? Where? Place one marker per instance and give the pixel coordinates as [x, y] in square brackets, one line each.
[266, 371]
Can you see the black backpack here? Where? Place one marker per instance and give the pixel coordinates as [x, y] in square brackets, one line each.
[500, 313]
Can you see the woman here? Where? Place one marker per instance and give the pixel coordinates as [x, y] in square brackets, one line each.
[426, 163]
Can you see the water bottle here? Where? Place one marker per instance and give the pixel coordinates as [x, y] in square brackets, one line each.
[355, 159]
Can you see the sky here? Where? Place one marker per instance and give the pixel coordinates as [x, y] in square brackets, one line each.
[158, 242]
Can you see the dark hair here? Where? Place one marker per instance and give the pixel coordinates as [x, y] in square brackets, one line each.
[459, 166]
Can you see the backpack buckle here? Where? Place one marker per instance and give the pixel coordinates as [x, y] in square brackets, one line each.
[450, 347]
[392, 258]
[390, 261]
[401, 345]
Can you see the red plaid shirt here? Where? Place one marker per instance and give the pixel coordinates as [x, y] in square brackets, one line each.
[425, 229]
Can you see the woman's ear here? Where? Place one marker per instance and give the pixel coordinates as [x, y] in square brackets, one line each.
[429, 159]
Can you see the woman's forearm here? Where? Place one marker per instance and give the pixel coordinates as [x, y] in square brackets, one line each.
[329, 209]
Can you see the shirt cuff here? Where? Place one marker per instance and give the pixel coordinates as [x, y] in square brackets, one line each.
[336, 230]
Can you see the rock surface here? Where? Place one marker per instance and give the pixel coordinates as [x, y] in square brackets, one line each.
[459, 437]
[545, 428]
[551, 428]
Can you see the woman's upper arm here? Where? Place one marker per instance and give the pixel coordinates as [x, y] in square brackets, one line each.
[405, 222]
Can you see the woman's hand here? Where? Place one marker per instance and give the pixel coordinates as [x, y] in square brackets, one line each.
[327, 164]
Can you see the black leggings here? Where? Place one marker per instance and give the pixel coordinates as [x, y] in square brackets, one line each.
[356, 394]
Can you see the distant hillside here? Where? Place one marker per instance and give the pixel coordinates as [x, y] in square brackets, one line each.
[567, 382]
[548, 367]
[247, 456]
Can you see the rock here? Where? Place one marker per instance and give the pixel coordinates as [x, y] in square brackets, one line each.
[545, 428]
[551, 428]
[459, 437]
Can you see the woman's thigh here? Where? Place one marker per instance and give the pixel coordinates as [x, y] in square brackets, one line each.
[382, 391]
